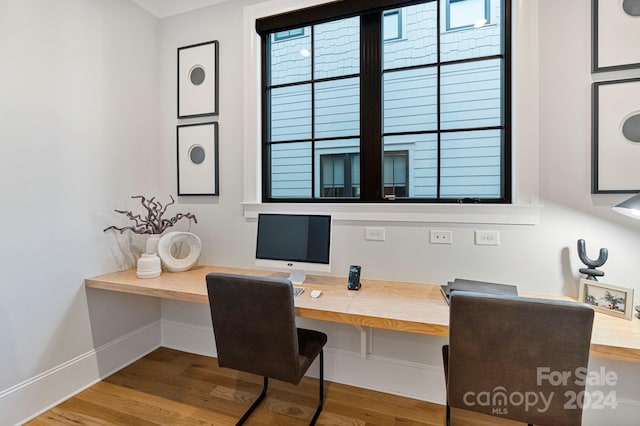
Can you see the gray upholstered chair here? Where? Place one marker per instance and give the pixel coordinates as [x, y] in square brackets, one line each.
[255, 331]
[506, 350]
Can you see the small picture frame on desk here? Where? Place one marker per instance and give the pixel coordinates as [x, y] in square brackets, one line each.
[607, 298]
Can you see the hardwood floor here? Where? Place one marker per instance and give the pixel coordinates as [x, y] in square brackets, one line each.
[169, 387]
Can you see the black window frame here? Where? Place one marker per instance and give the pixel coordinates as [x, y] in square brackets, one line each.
[371, 140]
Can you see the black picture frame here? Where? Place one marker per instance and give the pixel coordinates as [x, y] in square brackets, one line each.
[611, 27]
[198, 80]
[197, 159]
[615, 152]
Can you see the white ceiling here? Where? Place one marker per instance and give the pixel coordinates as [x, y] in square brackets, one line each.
[164, 8]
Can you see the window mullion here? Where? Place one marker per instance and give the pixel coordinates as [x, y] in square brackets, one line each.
[347, 175]
[313, 117]
[371, 107]
[438, 83]
[266, 118]
[506, 169]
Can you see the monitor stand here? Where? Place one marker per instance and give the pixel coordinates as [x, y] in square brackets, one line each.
[297, 276]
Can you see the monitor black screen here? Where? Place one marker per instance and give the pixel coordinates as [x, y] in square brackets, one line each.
[294, 237]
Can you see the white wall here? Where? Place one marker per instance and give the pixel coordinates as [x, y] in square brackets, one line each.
[79, 135]
[88, 116]
[540, 258]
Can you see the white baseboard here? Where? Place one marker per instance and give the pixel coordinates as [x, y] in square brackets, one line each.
[624, 414]
[190, 338]
[32, 397]
[26, 400]
[410, 379]
[395, 376]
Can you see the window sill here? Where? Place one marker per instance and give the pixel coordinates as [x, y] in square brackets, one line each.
[511, 214]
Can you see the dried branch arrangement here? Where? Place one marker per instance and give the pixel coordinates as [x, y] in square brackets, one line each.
[152, 223]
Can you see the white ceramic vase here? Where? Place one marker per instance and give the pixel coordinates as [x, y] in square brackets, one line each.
[148, 266]
[152, 243]
[166, 250]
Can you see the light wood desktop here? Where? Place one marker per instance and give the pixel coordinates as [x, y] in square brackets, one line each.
[409, 307]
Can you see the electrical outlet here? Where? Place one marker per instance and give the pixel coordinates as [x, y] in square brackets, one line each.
[373, 234]
[487, 238]
[440, 237]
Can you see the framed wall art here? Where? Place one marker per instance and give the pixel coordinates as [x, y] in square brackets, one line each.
[616, 136]
[197, 151]
[198, 80]
[615, 32]
[606, 298]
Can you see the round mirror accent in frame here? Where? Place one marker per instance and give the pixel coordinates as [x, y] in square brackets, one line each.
[197, 154]
[631, 7]
[631, 127]
[197, 75]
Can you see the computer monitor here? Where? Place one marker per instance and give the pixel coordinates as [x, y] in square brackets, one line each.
[296, 242]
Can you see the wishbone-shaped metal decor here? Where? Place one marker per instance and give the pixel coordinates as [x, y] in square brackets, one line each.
[591, 271]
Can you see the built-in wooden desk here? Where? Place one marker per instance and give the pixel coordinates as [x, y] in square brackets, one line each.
[415, 308]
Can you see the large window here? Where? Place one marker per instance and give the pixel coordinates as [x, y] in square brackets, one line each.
[387, 103]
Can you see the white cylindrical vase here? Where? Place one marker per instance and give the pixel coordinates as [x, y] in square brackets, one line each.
[148, 266]
[151, 245]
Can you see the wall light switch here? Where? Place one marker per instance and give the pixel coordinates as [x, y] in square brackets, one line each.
[487, 238]
[373, 234]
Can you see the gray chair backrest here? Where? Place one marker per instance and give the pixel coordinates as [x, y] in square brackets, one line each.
[509, 357]
[254, 324]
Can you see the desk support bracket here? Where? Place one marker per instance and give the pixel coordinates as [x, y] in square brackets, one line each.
[366, 340]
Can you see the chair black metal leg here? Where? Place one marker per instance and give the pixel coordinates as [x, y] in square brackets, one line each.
[255, 403]
[448, 414]
[321, 396]
[445, 363]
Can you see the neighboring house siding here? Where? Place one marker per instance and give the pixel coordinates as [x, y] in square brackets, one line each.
[337, 48]
[291, 170]
[337, 106]
[470, 97]
[291, 113]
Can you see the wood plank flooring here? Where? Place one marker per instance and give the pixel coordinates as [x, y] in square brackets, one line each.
[169, 387]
